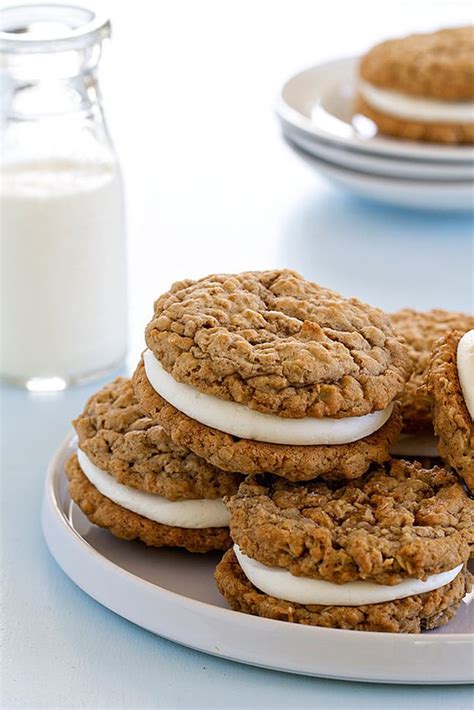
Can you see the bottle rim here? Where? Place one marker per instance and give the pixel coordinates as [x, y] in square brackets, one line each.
[50, 28]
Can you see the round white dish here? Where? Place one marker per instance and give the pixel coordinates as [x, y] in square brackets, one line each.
[435, 195]
[172, 593]
[319, 101]
[377, 164]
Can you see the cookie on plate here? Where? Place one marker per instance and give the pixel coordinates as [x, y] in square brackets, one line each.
[421, 87]
[450, 381]
[421, 330]
[128, 476]
[267, 372]
[387, 552]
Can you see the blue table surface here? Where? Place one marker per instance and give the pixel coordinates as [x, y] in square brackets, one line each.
[210, 187]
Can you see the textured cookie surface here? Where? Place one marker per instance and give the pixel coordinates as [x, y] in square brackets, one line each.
[439, 65]
[452, 421]
[450, 133]
[421, 330]
[118, 438]
[296, 463]
[278, 344]
[411, 615]
[384, 527]
[128, 525]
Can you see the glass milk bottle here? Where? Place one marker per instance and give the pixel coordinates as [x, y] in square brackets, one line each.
[62, 233]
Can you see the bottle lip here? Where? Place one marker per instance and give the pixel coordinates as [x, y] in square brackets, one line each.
[50, 28]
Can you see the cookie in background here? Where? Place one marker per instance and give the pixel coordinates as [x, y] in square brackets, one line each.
[421, 87]
[450, 382]
[421, 330]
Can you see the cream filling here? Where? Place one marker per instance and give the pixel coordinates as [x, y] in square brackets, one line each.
[238, 420]
[415, 445]
[465, 364]
[395, 103]
[279, 583]
[196, 514]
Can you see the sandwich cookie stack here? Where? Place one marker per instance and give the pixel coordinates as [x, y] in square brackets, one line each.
[129, 477]
[421, 331]
[267, 372]
[287, 381]
[387, 552]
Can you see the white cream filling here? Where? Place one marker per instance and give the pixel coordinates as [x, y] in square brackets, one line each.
[238, 420]
[196, 514]
[279, 583]
[465, 364]
[415, 445]
[395, 103]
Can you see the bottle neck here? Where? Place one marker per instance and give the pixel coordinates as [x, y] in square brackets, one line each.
[51, 99]
[53, 115]
[51, 84]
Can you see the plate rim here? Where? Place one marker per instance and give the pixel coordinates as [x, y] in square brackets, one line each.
[402, 149]
[51, 506]
[370, 178]
[375, 163]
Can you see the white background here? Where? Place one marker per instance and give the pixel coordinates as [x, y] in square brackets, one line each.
[190, 89]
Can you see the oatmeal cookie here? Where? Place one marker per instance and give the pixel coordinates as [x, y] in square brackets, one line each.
[452, 421]
[385, 527]
[278, 344]
[118, 438]
[424, 461]
[409, 615]
[296, 463]
[438, 65]
[128, 525]
[421, 87]
[434, 132]
[421, 330]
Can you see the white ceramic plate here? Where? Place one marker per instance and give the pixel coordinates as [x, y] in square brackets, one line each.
[437, 195]
[172, 593]
[319, 101]
[375, 164]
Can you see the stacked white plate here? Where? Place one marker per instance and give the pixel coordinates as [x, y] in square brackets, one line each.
[315, 108]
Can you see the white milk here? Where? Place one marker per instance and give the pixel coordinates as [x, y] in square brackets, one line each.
[63, 260]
